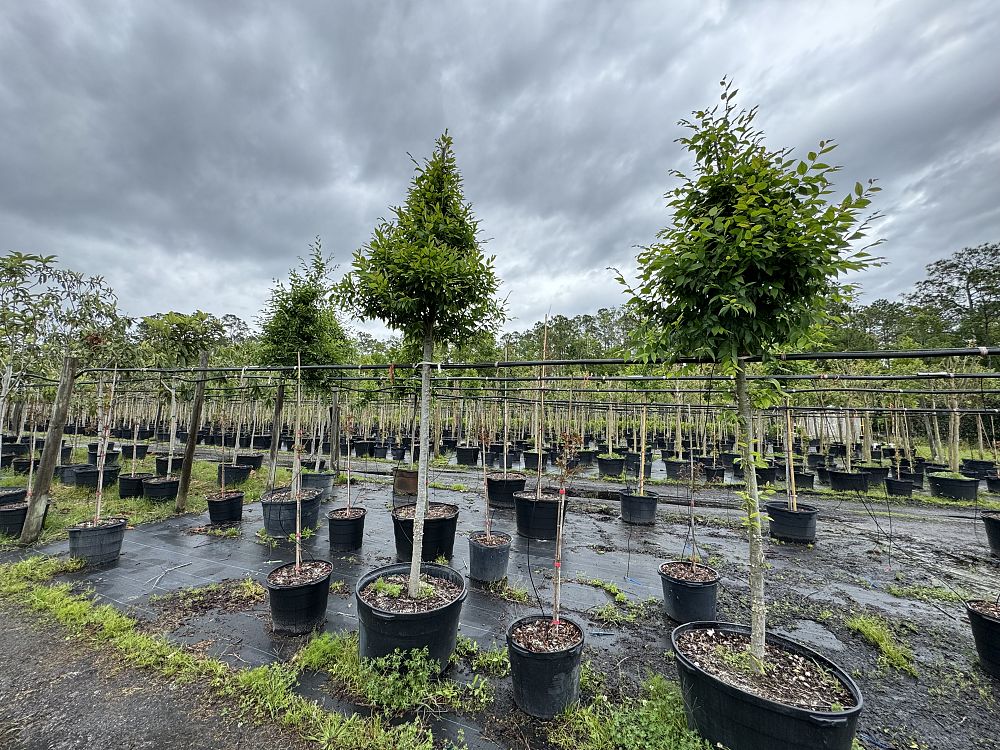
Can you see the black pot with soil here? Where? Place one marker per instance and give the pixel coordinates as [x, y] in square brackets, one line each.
[160, 489]
[347, 528]
[677, 469]
[917, 477]
[230, 474]
[728, 715]
[225, 507]
[387, 622]
[175, 465]
[137, 451]
[639, 509]
[984, 616]
[536, 518]
[253, 460]
[953, 488]
[404, 481]
[797, 526]
[467, 455]
[500, 490]
[488, 556]
[848, 481]
[440, 522]
[13, 495]
[993, 483]
[545, 658]
[298, 598]
[898, 487]
[531, 460]
[714, 473]
[279, 509]
[805, 480]
[689, 591]
[322, 481]
[992, 521]
[99, 544]
[87, 477]
[130, 485]
[12, 517]
[610, 467]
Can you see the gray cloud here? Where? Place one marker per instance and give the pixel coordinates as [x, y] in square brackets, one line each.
[190, 151]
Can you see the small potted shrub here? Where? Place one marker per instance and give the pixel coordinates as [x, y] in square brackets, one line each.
[639, 507]
[489, 552]
[347, 524]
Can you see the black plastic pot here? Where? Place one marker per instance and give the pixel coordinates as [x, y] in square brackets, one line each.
[500, 491]
[798, 526]
[225, 509]
[993, 483]
[301, 607]
[67, 474]
[536, 519]
[322, 481]
[531, 460]
[544, 684]
[805, 480]
[175, 467]
[714, 473]
[398, 454]
[87, 477]
[467, 455]
[138, 449]
[380, 632]
[899, 487]
[586, 457]
[992, 521]
[488, 562]
[689, 601]
[639, 509]
[12, 517]
[65, 454]
[279, 515]
[97, 545]
[346, 534]
[917, 477]
[253, 460]
[12, 495]
[765, 474]
[740, 720]
[953, 489]
[439, 534]
[848, 481]
[233, 474]
[131, 486]
[986, 634]
[160, 489]
[381, 451]
[608, 467]
[24, 465]
[404, 481]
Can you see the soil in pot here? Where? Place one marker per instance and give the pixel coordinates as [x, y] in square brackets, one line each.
[689, 591]
[985, 619]
[390, 594]
[347, 528]
[225, 507]
[545, 660]
[12, 495]
[440, 523]
[800, 701]
[130, 485]
[98, 544]
[298, 598]
[488, 556]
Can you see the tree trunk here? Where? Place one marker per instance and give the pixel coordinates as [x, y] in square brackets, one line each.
[335, 432]
[758, 610]
[425, 423]
[279, 402]
[180, 503]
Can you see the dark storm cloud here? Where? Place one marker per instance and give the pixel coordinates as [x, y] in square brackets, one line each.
[190, 151]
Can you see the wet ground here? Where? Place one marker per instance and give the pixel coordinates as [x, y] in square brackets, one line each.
[864, 546]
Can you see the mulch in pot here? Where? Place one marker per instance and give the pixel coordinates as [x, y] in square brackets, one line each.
[346, 513]
[436, 510]
[220, 496]
[546, 636]
[435, 594]
[986, 608]
[493, 540]
[789, 678]
[103, 522]
[310, 570]
[685, 571]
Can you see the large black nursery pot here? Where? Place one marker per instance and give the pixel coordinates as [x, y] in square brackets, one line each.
[993, 482]
[322, 481]
[488, 561]
[381, 632]
[500, 491]
[992, 521]
[536, 519]
[677, 469]
[531, 460]
[299, 607]
[233, 474]
[278, 506]
[608, 467]
[160, 489]
[688, 601]
[12, 517]
[130, 485]
[439, 533]
[253, 460]
[899, 487]
[87, 477]
[953, 488]
[225, 508]
[347, 532]
[639, 509]
[848, 481]
[175, 465]
[467, 455]
[12, 495]
[404, 481]
[97, 545]
[545, 684]
[798, 526]
[137, 451]
[739, 720]
[986, 634]
[805, 480]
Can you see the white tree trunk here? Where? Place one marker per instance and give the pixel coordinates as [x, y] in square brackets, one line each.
[425, 449]
[758, 608]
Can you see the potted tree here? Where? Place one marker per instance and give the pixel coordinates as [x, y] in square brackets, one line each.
[640, 507]
[424, 273]
[791, 521]
[984, 616]
[347, 524]
[750, 264]
[489, 551]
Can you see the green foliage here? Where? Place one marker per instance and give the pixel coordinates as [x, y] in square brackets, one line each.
[877, 632]
[174, 339]
[382, 586]
[751, 259]
[653, 722]
[504, 590]
[495, 662]
[423, 272]
[299, 320]
[924, 593]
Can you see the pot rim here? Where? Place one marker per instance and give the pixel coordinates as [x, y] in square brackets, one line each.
[782, 507]
[116, 521]
[286, 586]
[545, 655]
[444, 518]
[659, 569]
[363, 509]
[970, 610]
[482, 533]
[430, 568]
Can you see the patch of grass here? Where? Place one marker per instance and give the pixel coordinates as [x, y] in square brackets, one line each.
[609, 614]
[591, 681]
[400, 681]
[607, 586]
[493, 662]
[877, 632]
[924, 593]
[655, 721]
[504, 590]
[339, 588]
[267, 691]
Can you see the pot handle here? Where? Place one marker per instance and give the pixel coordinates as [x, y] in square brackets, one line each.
[825, 722]
[384, 616]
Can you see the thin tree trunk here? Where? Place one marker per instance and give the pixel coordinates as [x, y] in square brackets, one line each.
[758, 610]
[279, 402]
[180, 503]
[420, 510]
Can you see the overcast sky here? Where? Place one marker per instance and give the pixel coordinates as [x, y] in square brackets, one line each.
[190, 151]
